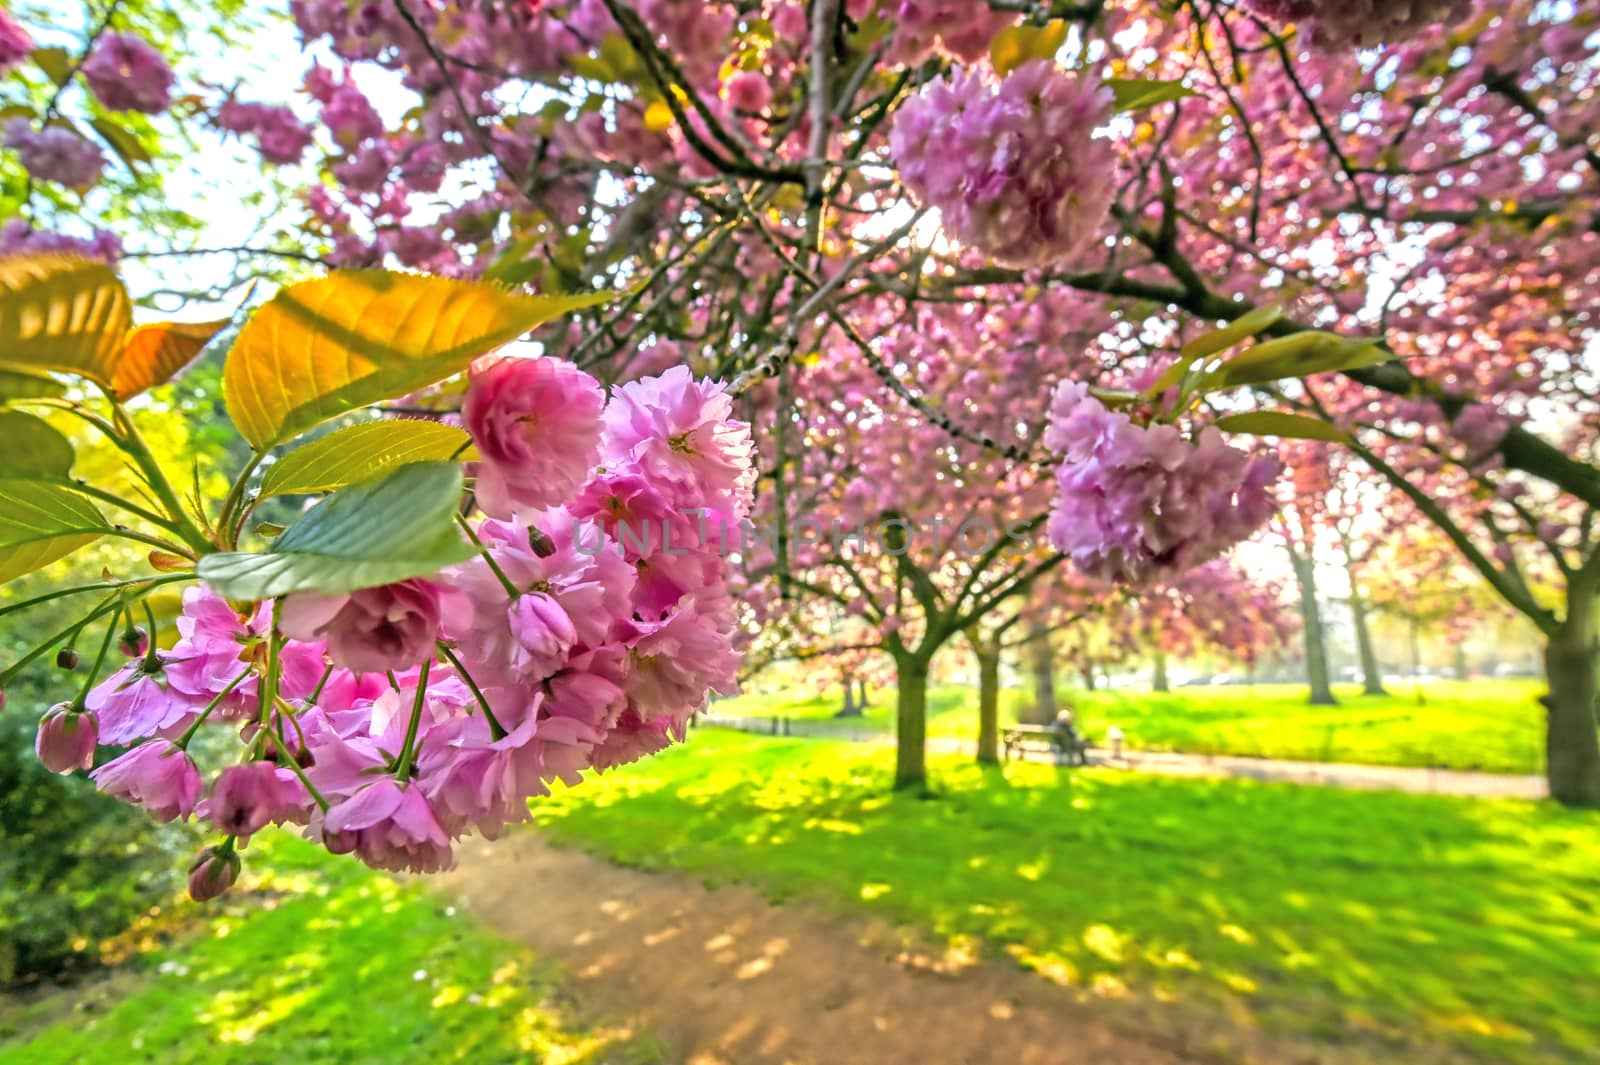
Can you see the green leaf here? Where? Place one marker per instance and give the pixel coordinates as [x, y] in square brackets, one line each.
[55, 62]
[1133, 94]
[32, 449]
[20, 384]
[326, 347]
[1296, 355]
[41, 522]
[380, 531]
[63, 314]
[1284, 424]
[1209, 344]
[362, 452]
[122, 141]
[1016, 45]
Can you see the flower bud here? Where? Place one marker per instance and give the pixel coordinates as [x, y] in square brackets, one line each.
[67, 659]
[213, 873]
[66, 739]
[135, 641]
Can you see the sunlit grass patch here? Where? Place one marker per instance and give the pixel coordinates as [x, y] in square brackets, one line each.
[1394, 918]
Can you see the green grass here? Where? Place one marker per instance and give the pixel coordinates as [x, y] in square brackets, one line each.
[1388, 919]
[324, 962]
[1491, 725]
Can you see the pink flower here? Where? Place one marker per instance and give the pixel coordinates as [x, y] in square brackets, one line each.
[350, 116]
[126, 74]
[15, 44]
[1350, 24]
[56, 154]
[680, 435]
[66, 739]
[544, 632]
[247, 798]
[280, 136]
[1015, 168]
[373, 630]
[138, 702]
[212, 874]
[17, 237]
[157, 776]
[536, 423]
[389, 826]
[749, 90]
[1480, 427]
[1136, 504]
[674, 663]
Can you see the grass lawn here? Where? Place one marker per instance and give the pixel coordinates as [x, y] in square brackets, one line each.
[1396, 921]
[1490, 725]
[324, 962]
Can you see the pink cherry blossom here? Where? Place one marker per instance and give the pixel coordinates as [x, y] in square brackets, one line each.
[15, 44]
[680, 434]
[536, 423]
[212, 874]
[390, 826]
[373, 630]
[156, 775]
[126, 74]
[66, 739]
[247, 798]
[56, 154]
[1015, 168]
[1348, 24]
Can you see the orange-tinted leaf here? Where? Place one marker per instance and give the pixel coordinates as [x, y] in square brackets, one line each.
[154, 353]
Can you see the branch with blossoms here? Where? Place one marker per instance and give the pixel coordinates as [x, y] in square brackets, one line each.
[452, 623]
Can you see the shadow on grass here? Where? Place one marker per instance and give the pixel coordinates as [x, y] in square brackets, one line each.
[322, 962]
[1376, 917]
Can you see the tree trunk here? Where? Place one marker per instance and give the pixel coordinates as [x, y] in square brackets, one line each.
[1371, 672]
[911, 723]
[862, 703]
[850, 709]
[1087, 672]
[988, 704]
[1305, 571]
[1572, 749]
[1463, 670]
[1041, 662]
[1160, 683]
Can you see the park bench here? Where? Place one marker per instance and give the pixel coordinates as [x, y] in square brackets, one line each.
[1043, 738]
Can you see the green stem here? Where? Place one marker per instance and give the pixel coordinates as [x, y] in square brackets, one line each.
[100, 659]
[496, 729]
[122, 532]
[119, 502]
[323, 683]
[134, 445]
[183, 741]
[505, 582]
[235, 501]
[104, 586]
[111, 602]
[408, 753]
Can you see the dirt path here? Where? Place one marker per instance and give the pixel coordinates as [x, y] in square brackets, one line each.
[730, 979]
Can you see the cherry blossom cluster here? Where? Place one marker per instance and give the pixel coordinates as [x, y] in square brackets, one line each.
[15, 44]
[956, 27]
[393, 720]
[1013, 165]
[1343, 24]
[1135, 503]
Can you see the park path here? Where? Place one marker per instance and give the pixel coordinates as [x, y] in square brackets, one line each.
[1323, 774]
[727, 978]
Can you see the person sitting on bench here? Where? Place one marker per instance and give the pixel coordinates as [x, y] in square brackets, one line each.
[1066, 730]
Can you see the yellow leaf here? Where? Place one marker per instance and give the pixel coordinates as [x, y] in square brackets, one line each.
[322, 348]
[658, 117]
[153, 353]
[1016, 45]
[62, 313]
